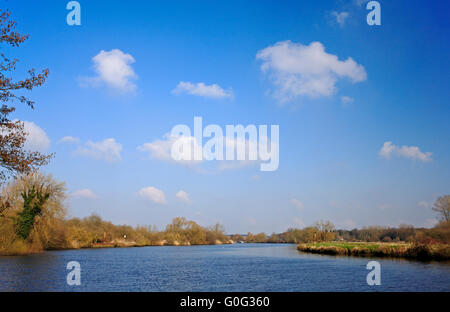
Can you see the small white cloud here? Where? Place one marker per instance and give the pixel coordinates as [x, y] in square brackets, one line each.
[387, 149]
[306, 70]
[114, 70]
[161, 149]
[153, 194]
[108, 150]
[412, 152]
[37, 139]
[201, 89]
[360, 2]
[346, 100]
[245, 144]
[69, 139]
[158, 149]
[84, 193]
[183, 197]
[298, 204]
[341, 17]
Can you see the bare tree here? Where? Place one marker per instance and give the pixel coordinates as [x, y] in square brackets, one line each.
[14, 159]
[326, 230]
[442, 207]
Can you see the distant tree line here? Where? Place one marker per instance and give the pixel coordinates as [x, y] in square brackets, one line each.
[324, 231]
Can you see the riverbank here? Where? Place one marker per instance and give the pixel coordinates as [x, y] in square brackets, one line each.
[93, 232]
[22, 250]
[124, 243]
[439, 252]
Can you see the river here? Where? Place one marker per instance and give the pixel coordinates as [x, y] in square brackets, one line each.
[240, 267]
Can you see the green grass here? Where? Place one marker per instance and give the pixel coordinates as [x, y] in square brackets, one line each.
[351, 245]
[379, 249]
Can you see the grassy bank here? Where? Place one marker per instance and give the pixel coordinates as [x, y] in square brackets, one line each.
[380, 249]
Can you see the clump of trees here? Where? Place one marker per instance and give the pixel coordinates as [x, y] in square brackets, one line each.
[405, 233]
[324, 231]
[184, 232]
[256, 238]
[33, 214]
[438, 234]
[320, 231]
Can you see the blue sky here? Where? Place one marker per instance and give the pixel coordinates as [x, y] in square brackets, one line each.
[332, 165]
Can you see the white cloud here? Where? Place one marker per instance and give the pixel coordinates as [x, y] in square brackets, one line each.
[340, 17]
[306, 70]
[245, 144]
[84, 193]
[108, 150]
[37, 139]
[153, 194]
[161, 149]
[69, 139]
[360, 2]
[298, 204]
[158, 149]
[346, 100]
[201, 89]
[113, 69]
[183, 197]
[412, 152]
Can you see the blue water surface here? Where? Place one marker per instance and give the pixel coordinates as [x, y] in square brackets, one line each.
[240, 267]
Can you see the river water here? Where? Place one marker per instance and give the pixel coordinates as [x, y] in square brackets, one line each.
[240, 267]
